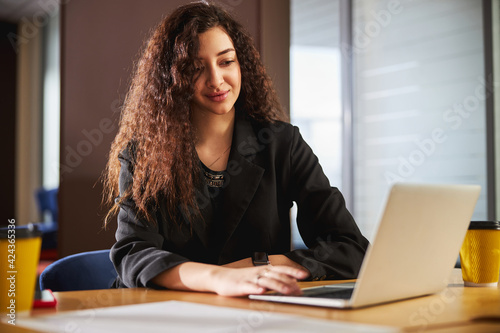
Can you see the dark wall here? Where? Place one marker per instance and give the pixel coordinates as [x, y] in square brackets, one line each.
[99, 43]
[8, 123]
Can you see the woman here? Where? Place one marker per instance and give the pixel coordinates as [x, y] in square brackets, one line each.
[206, 171]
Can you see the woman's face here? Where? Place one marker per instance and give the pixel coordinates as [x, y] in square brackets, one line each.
[217, 81]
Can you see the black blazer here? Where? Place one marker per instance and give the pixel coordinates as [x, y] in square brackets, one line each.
[269, 167]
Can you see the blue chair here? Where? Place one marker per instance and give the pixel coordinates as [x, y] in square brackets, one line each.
[81, 271]
[47, 202]
[47, 206]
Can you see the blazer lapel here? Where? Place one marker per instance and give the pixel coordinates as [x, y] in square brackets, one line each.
[242, 175]
[242, 179]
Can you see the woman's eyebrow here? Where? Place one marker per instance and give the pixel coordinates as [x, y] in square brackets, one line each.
[221, 52]
[225, 51]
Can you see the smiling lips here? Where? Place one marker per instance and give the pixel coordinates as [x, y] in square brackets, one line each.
[218, 96]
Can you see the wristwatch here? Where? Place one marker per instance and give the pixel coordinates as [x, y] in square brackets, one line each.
[260, 259]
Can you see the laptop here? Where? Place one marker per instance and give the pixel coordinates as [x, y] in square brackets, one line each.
[412, 254]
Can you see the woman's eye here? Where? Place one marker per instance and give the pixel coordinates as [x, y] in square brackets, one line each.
[227, 62]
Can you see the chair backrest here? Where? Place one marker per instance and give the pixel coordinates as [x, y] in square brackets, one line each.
[47, 202]
[81, 271]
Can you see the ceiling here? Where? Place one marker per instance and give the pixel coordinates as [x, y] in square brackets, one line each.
[15, 10]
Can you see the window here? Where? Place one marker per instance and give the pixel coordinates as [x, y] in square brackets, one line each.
[315, 90]
[419, 91]
[419, 99]
[51, 104]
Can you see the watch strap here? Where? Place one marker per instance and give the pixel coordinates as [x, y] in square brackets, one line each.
[260, 259]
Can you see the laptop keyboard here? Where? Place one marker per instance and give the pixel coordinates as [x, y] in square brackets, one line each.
[341, 293]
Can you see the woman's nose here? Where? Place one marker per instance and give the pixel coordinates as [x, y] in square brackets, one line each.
[215, 78]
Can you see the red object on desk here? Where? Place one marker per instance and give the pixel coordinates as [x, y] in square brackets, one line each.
[44, 299]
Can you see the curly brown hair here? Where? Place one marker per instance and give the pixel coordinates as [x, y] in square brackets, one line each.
[155, 119]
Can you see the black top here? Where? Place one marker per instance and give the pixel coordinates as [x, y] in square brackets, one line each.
[217, 229]
[269, 167]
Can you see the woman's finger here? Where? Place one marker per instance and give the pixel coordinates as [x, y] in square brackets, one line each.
[280, 282]
[290, 271]
[276, 275]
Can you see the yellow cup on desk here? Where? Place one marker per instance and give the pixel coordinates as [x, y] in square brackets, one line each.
[20, 253]
[480, 254]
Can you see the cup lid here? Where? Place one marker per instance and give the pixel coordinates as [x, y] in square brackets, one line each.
[23, 231]
[484, 225]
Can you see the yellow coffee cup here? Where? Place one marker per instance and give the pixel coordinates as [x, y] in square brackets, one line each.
[480, 254]
[20, 252]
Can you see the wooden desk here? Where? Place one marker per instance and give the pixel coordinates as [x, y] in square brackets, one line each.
[456, 309]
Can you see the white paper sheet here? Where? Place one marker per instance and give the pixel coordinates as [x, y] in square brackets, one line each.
[175, 316]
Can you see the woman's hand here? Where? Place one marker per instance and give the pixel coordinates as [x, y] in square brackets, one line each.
[230, 281]
[274, 259]
[257, 280]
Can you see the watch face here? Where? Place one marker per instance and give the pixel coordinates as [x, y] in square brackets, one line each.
[260, 259]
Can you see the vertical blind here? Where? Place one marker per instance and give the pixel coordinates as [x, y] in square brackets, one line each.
[418, 97]
[315, 91]
[51, 104]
